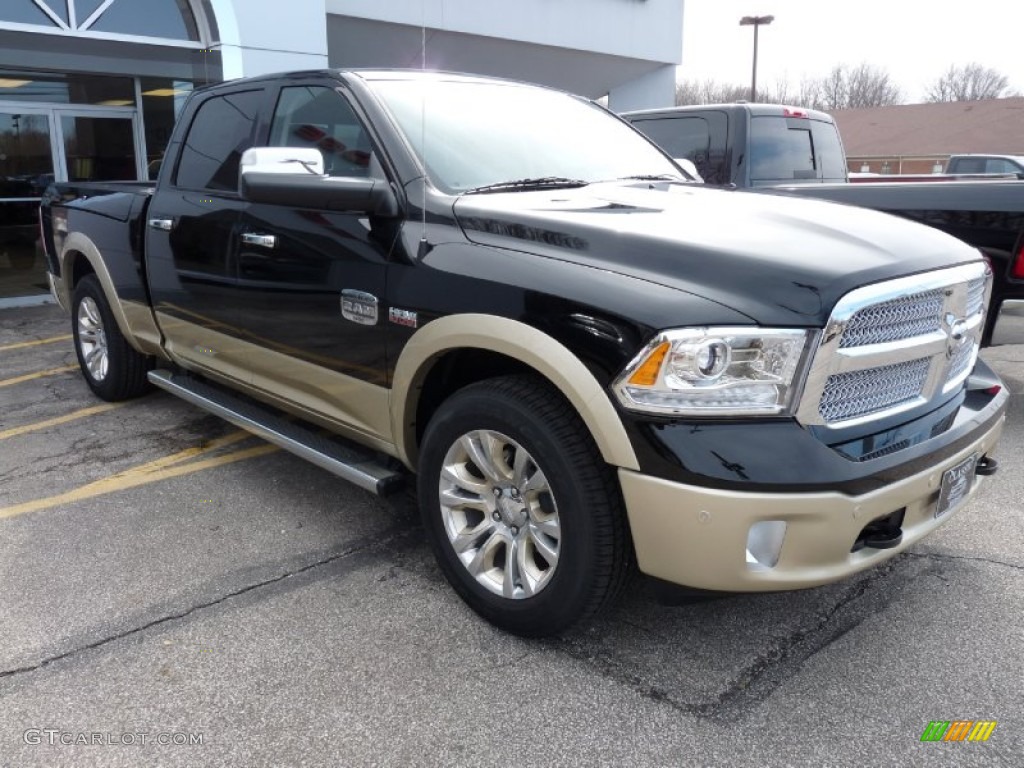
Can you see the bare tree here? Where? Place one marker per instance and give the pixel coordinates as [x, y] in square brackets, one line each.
[843, 88]
[708, 92]
[851, 88]
[968, 83]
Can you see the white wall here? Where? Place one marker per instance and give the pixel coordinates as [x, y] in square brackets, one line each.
[650, 91]
[626, 48]
[261, 36]
[643, 29]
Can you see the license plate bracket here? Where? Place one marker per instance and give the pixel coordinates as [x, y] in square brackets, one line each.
[956, 485]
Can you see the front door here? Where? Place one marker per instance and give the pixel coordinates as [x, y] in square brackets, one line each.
[298, 267]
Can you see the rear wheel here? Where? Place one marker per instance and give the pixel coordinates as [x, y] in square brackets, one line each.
[524, 516]
[113, 369]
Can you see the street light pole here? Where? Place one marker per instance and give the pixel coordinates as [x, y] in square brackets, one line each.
[755, 22]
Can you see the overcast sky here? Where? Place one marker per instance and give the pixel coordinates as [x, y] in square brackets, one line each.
[915, 40]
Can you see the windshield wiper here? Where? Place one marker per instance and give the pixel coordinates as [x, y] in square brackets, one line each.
[541, 182]
[652, 177]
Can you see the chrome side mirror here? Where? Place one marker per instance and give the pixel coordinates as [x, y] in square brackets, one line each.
[297, 160]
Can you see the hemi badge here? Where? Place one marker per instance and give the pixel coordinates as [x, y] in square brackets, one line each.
[403, 317]
[359, 307]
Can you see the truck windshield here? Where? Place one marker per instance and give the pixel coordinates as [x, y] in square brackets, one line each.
[472, 135]
[794, 149]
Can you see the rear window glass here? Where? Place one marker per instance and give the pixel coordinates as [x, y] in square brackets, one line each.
[788, 149]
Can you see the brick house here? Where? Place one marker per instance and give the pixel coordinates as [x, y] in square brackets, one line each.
[919, 138]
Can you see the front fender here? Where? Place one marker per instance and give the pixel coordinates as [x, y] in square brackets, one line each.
[514, 339]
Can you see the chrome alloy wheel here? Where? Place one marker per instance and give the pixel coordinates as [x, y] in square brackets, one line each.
[92, 339]
[500, 514]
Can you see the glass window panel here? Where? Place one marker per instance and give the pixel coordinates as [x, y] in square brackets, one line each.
[59, 8]
[154, 18]
[162, 102]
[320, 118]
[26, 161]
[99, 148]
[221, 131]
[24, 12]
[66, 89]
[85, 8]
[778, 152]
[26, 169]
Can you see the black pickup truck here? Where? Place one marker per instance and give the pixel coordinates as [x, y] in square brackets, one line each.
[587, 361]
[771, 146]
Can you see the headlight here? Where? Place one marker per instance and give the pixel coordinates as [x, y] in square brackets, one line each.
[715, 371]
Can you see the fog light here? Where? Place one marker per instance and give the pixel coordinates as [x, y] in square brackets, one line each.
[764, 542]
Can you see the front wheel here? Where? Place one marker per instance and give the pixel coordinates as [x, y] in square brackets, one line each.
[524, 516]
[112, 368]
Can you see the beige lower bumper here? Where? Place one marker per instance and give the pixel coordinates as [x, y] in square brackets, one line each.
[697, 536]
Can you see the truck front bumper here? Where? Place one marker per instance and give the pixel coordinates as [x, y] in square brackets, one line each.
[701, 537]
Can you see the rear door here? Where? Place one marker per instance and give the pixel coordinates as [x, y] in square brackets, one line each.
[190, 235]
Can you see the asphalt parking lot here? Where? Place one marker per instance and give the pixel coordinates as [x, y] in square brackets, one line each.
[168, 580]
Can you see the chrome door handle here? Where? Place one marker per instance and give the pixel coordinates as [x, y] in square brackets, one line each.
[162, 224]
[267, 241]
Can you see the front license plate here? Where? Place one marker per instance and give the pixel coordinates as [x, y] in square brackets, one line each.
[956, 484]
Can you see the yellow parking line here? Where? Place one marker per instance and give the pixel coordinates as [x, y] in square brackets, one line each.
[73, 416]
[23, 344]
[150, 472]
[39, 375]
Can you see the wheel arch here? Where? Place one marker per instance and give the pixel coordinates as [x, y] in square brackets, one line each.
[80, 257]
[511, 346]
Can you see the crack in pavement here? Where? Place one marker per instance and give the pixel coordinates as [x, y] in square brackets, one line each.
[766, 672]
[389, 537]
[944, 556]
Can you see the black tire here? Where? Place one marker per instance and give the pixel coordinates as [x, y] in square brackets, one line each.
[595, 552]
[124, 376]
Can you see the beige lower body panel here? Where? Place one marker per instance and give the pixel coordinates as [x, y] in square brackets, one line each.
[697, 537]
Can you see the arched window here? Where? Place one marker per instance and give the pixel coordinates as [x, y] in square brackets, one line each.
[172, 19]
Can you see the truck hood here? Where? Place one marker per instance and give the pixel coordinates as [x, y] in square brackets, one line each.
[779, 260]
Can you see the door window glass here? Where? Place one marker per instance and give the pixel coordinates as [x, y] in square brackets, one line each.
[220, 133]
[99, 148]
[26, 159]
[318, 117]
[26, 169]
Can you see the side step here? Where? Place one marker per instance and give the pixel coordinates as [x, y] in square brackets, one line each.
[346, 460]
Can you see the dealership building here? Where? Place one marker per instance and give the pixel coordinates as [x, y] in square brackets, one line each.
[89, 89]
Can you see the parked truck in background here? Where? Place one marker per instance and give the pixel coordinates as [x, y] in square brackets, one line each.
[986, 164]
[585, 359]
[769, 147]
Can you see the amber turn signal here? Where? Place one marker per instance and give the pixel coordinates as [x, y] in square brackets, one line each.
[647, 374]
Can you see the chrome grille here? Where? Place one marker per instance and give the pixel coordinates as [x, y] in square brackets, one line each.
[975, 296]
[859, 393]
[893, 346]
[963, 356]
[893, 320]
